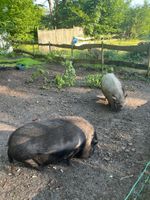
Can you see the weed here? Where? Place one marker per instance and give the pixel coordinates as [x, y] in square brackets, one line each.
[93, 80]
[69, 76]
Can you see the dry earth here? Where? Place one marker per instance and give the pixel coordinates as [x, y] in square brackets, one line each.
[121, 154]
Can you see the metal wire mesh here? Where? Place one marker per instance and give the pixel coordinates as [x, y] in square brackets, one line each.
[141, 185]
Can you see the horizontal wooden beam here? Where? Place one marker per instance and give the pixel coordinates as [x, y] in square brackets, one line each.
[111, 62]
[137, 48]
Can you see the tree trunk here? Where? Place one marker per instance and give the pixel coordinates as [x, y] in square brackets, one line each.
[50, 6]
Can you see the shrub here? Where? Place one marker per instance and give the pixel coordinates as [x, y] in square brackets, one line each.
[69, 76]
[94, 80]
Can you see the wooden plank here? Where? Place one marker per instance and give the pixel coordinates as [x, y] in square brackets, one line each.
[148, 67]
[137, 48]
[111, 62]
[102, 55]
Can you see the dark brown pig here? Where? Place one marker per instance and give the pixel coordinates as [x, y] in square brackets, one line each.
[40, 143]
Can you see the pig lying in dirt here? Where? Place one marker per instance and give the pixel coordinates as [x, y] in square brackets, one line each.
[113, 91]
[40, 143]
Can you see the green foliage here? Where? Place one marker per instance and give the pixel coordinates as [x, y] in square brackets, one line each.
[106, 17]
[19, 18]
[42, 73]
[137, 21]
[28, 62]
[135, 56]
[103, 17]
[125, 56]
[97, 17]
[68, 78]
[93, 80]
[53, 56]
[59, 80]
[37, 73]
[114, 55]
[64, 14]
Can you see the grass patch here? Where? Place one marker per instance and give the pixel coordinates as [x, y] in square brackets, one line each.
[28, 62]
[122, 42]
[29, 48]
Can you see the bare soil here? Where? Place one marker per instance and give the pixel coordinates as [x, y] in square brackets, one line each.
[123, 139]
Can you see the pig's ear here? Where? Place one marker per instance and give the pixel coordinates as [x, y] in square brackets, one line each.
[114, 98]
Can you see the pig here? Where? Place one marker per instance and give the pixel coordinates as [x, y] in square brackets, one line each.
[113, 91]
[37, 144]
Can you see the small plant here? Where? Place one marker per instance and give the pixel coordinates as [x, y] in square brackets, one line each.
[40, 72]
[94, 80]
[59, 81]
[69, 76]
[54, 56]
[114, 55]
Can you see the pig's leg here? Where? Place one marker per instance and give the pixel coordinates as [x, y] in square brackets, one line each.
[33, 164]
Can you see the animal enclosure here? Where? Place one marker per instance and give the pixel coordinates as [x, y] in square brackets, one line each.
[123, 139]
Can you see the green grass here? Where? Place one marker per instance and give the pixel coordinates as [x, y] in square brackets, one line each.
[8, 61]
[29, 48]
[123, 42]
[28, 62]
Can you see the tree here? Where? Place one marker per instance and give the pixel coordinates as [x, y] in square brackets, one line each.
[19, 18]
[96, 16]
[137, 21]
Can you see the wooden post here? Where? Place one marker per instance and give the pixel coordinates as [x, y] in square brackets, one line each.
[148, 69]
[102, 56]
[49, 45]
[38, 47]
[72, 51]
[33, 49]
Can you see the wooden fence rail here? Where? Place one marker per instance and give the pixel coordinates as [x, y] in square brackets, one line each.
[134, 48]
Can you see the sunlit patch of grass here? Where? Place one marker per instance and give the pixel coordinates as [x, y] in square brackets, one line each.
[28, 62]
[122, 42]
[30, 48]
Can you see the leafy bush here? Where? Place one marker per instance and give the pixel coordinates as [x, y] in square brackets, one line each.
[51, 56]
[94, 80]
[113, 55]
[69, 76]
[135, 56]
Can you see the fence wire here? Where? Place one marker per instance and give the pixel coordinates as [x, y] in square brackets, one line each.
[142, 181]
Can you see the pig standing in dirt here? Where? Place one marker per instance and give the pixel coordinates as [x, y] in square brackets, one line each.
[113, 91]
[40, 143]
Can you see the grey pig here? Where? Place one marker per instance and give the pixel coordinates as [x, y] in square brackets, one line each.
[113, 91]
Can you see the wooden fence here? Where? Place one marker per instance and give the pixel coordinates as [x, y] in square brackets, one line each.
[58, 36]
[145, 47]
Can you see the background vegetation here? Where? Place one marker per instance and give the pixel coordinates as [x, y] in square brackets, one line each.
[21, 18]
[101, 17]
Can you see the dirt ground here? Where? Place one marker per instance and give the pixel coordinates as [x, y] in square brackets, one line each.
[123, 139]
